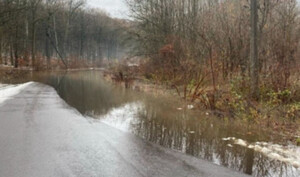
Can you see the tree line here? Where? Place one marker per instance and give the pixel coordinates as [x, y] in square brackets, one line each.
[187, 41]
[35, 30]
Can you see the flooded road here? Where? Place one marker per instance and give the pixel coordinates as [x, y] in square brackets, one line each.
[42, 136]
[157, 119]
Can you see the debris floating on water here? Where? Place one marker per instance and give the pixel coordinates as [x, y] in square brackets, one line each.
[251, 146]
[228, 139]
[190, 106]
[229, 145]
[241, 142]
[287, 154]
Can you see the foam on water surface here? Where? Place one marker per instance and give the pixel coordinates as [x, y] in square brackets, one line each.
[287, 154]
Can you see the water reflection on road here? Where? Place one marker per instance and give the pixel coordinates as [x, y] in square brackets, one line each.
[157, 119]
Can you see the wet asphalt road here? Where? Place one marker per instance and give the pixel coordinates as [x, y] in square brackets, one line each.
[41, 136]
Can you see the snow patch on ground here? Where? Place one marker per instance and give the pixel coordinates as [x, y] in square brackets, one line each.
[287, 154]
[8, 91]
[123, 117]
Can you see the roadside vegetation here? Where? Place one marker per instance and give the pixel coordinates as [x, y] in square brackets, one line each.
[222, 56]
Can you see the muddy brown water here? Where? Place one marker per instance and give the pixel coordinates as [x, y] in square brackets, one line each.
[158, 119]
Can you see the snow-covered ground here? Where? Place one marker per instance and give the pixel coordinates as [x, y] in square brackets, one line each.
[8, 91]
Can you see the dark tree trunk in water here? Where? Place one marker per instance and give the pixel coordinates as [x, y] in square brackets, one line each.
[254, 65]
[249, 161]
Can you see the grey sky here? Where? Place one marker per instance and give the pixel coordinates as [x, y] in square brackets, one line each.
[116, 8]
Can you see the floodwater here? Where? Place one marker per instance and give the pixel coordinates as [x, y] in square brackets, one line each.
[158, 119]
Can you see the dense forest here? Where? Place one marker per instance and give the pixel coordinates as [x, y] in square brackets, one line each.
[35, 31]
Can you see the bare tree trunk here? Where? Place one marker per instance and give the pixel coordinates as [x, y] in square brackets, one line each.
[33, 43]
[1, 58]
[254, 63]
[64, 48]
[16, 63]
[47, 42]
[66, 30]
[16, 40]
[5, 59]
[82, 36]
[58, 53]
[26, 56]
[55, 33]
[34, 6]
[11, 52]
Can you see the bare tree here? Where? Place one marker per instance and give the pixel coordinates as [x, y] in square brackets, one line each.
[254, 62]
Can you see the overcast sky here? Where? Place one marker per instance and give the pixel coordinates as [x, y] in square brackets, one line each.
[116, 8]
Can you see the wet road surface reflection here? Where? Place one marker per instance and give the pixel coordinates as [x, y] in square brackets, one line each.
[157, 119]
